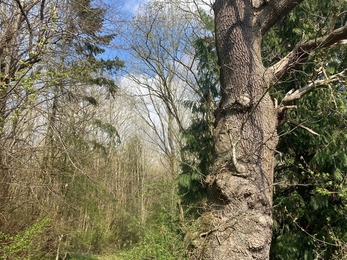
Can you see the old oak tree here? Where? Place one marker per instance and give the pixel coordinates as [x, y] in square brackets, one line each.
[238, 222]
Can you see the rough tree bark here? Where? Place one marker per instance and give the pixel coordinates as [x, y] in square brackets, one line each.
[238, 223]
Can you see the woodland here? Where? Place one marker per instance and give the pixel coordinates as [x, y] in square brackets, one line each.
[184, 129]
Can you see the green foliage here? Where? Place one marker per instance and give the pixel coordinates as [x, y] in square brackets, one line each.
[20, 246]
[88, 19]
[113, 137]
[207, 20]
[80, 60]
[158, 242]
[104, 199]
[161, 236]
[311, 19]
[310, 191]
[198, 151]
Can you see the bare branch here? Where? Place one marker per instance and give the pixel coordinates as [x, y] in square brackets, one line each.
[293, 95]
[42, 7]
[24, 15]
[290, 121]
[301, 52]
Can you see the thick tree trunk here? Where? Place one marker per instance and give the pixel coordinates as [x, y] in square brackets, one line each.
[238, 224]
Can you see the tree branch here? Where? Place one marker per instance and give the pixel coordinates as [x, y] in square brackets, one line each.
[290, 121]
[293, 95]
[274, 11]
[24, 15]
[302, 50]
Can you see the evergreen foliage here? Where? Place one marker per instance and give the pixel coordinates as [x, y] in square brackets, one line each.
[310, 176]
[197, 153]
[81, 57]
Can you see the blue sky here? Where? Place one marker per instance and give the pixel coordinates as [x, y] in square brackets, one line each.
[132, 5]
[124, 10]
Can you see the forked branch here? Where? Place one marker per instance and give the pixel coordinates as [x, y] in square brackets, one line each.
[292, 95]
[301, 52]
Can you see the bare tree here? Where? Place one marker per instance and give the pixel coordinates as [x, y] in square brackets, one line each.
[164, 69]
[26, 28]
